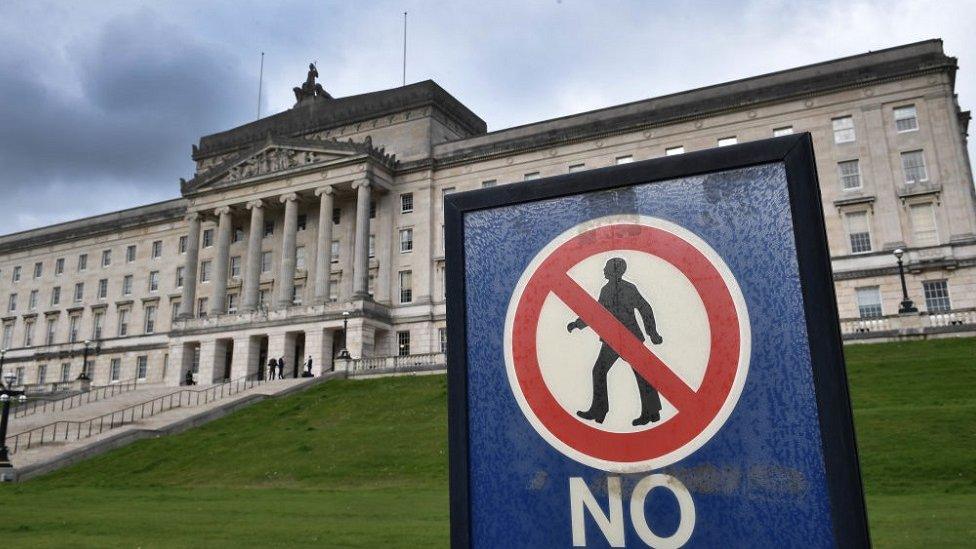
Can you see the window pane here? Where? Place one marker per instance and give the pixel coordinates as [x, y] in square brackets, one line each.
[923, 224]
[671, 151]
[850, 174]
[913, 164]
[869, 302]
[936, 296]
[906, 119]
[779, 132]
[726, 141]
[843, 129]
[858, 232]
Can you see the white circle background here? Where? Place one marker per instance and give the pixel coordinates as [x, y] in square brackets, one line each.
[566, 359]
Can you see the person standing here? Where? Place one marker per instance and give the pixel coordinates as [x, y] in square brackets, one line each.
[281, 367]
[272, 364]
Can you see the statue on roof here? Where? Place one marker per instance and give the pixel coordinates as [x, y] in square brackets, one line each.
[310, 88]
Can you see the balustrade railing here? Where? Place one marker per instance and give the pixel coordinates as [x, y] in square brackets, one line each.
[920, 323]
[396, 363]
[35, 406]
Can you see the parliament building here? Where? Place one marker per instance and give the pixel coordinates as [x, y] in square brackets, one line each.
[320, 228]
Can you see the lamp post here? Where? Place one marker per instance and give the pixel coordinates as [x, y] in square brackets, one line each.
[84, 362]
[907, 306]
[3, 352]
[6, 395]
[344, 352]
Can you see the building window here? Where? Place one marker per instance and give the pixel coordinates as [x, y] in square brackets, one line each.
[12, 303]
[20, 376]
[336, 216]
[16, 274]
[406, 241]
[183, 241]
[913, 164]
[489, 183]
[127, 285]
[406, 286]
[265, 262]
[115, 369]
[334, 288]
[8, 334]
[32, 300]
[174, 310]
[52, 328]
[238, 234]
[726, 141]
[205, 271]
[207, 238]
[626, 159]
[130, 253]
[850, 174]
[406, 202]
[296, 294]
[157, 249]
[97, 325]
[65, 372]
[785, 130]
[73, 322]
[858, 232]
[869, 302]
[154, 281]
[268, 229]
[28, 333]
[302, 221]
[41, 374]
[235, 266]
[442, 337]
[103, 288]
[106, 258]
[195, 361]
[574, 168]
[843, 129]
[300, 258]
[55, 295]
[263, 297]
[179, 276]
[59, 266]
[403, 343]
[671, 151]
[231, 303]
[142, 366]
[335, 251]
[923, 224]
[38, 270]
[372, 246]
[201, 307]
[123, 322]
[906, 119]
[79, 291]
[936, 296]
[530, 176]
[149, 314]
[82, 262]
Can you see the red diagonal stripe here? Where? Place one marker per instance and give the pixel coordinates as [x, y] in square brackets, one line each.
[621, 340]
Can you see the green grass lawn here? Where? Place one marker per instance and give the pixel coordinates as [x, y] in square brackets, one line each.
[364, 464]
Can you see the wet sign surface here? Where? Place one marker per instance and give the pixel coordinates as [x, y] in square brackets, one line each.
[649, 355]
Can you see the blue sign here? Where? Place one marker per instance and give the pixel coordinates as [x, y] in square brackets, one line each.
[649, 356]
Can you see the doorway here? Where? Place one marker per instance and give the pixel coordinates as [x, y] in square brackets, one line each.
[262, 357]
[299, 354]
[228, 358]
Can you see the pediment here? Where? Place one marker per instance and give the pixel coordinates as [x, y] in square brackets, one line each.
[276, 158]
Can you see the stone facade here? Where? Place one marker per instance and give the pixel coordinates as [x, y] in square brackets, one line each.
[329, 215]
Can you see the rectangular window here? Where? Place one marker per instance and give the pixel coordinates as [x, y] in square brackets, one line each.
[403, 343]
[265, 262]
[28, 333]
[906, 119]
[154, 281]
[65, 372]
[205, 271]
[923, 224]
[530, 176]
[296, 294]
[202, 307]
[115, 369]
[869, 302]
[442, 337]
[97, 322]
[231, 303]
[850, 174]
[268, 228]
[157, 249]
[73, 322]
[51, 332]
[406, 286]
[238, 235]
[574, 168]
[174, 310]
[123, 322]
[19, 381]
[300, 257]
[406, 241]
[142, 366]
[38, 269]
[726, 141]
[671, 151]
[626, 159]
[82, 262]
[127, 285]
[372, 209]
[130, 253]
[183, 242]
[42, 374]
[936, 296]
[103, 288]
[263, 298]
[489, 183]
[302, 221]
[858, 232]
[406, 202]
[372, 246]
[235, 266]
[179, 276]
[785, 130]
[79, 291]
[335, 251]
[32, 300]
[149, 314]
[843, 129]
[16, 275]
[55, 295]
[8, 334]
[334, 288]
[59, 266]
[12, 303]
[207, 238]
[106, 258]
[913, 164]
[336, 216]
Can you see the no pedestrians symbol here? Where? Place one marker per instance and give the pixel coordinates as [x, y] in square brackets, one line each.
[605, 395]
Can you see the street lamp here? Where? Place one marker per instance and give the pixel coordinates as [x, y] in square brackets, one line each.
[6, 395]
[907, 306]
[3, 352]
[344, 352]
[84, 362]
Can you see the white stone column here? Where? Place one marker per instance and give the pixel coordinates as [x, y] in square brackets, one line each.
[252, 269]
[323, 256]
[245, 359]
[318, 345]
[210, 354]
[191, 266]
[360, 266]
[219, 298]
[286, 273]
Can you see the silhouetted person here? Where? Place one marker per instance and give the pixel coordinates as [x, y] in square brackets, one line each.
[272, 364]
[281, 368]
[308, 367]
[621, 299]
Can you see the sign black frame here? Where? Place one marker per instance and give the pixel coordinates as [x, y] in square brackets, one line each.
[795, 152]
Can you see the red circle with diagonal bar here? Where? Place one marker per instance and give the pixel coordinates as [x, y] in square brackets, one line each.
[697, 409]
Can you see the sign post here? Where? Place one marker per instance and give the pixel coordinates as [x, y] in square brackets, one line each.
[649, 355]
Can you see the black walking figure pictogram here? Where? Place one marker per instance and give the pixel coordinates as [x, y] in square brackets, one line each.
[621, 299]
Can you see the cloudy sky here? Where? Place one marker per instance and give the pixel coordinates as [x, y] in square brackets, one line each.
[100, 101]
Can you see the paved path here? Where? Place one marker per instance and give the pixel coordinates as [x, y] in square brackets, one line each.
[90, 409]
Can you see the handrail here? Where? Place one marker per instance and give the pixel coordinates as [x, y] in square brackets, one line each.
[66, 430]
[67, 403]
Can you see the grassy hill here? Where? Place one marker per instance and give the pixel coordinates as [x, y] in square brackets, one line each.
[364, 464]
